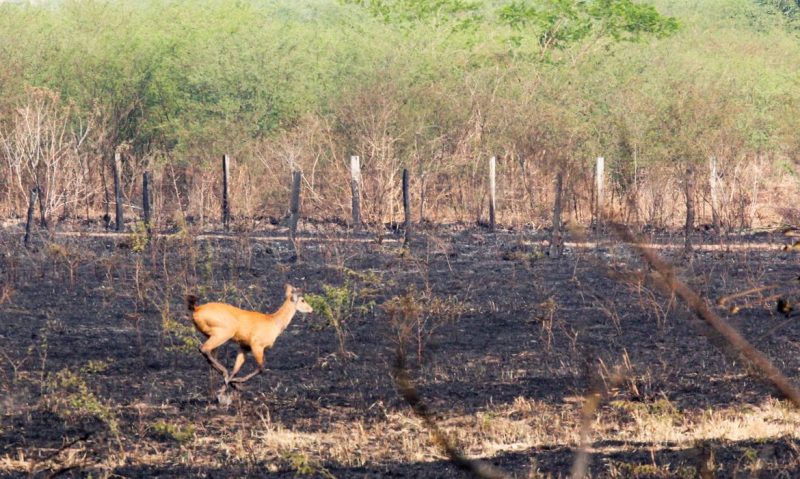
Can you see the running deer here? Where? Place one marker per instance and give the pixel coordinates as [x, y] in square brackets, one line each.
[254, 331]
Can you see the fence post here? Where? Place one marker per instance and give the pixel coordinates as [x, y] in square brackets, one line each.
[31, 203]
[118, 191]
[406, 209]
[713, 181]
[294, 210]
[226, 212]
[492, 192]
[689, 191]
[421, 196]
[556, 238]
[355, 188]
[599, 200]
[146, 203]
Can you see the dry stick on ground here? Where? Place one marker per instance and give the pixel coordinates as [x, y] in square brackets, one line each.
[409, 393]
[83, 437]
[723, 301]
[671, 284]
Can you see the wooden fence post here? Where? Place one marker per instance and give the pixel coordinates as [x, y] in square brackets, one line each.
[421, 197]
[31, 207]
[355, 188]
[146, 203]
[689, 227]
[226, 212]
[599, 199]
[118, 191]
[294, 210]
[406, 209]
[713, 182]
[492, 192]
[556, 237]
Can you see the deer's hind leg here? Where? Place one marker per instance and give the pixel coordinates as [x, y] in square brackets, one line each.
[208, 348]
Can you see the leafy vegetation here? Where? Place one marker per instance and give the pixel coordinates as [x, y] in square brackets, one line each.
[431, 85]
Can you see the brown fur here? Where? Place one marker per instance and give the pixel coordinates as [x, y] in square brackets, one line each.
[253, 331]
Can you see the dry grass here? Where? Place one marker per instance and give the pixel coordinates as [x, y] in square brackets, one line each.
[524, 425]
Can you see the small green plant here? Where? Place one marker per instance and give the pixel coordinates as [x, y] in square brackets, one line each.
[163, 430]
[338, 305]
[139, 238]
[69, 396]
[303, 466]
[334, 305]
[95, 366]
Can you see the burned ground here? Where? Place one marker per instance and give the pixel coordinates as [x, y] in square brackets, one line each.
[101, 373]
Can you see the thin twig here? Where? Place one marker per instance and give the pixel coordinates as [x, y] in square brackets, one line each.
[409, 393]
[593, 401]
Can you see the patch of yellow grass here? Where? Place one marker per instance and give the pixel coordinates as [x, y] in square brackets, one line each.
[521, 425]
[661, 422]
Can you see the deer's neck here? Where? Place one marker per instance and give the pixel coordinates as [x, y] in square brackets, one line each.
[285, 313]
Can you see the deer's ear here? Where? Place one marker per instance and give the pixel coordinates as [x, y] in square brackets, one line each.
[288, 290]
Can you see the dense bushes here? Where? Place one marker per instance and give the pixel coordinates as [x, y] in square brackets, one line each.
[437, 87]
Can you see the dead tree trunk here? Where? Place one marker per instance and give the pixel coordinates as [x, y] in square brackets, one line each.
[42, 214]
[31, 207]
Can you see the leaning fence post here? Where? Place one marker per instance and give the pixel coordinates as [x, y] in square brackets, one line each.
[406, 209]
[146, 203]
[118, 190]
[355, 188]
[226, 213]
[492, 192]
[31, 203]
[599, 200]
[294, 209]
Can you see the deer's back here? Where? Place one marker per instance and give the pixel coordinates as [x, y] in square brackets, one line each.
[214, 318]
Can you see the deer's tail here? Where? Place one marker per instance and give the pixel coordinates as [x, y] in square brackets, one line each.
[191, 302]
